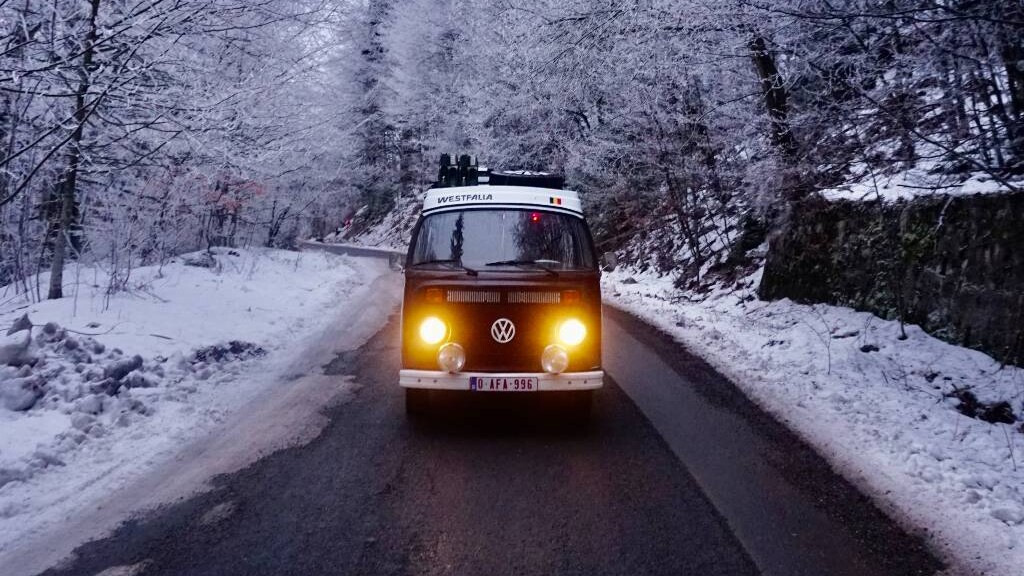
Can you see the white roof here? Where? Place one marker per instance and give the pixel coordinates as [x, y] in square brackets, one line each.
[459, 197]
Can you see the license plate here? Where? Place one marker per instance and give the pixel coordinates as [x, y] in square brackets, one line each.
[502, 384]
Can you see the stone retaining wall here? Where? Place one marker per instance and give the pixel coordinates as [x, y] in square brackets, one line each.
[953, 265]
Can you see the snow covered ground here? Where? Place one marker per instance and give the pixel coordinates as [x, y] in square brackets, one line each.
[915, 183]
[218, 361]
[393, 231]
[876, 406]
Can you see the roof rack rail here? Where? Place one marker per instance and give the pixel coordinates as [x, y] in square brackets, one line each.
[465, 171]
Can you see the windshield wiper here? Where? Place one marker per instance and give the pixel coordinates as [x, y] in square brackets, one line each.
[522, 263]
[450, 261]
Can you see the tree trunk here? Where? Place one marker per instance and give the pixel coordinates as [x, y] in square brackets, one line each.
[775, 97]
[68, 183]
[1012, 53]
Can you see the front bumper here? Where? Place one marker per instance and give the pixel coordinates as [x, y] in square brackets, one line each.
[437, 380]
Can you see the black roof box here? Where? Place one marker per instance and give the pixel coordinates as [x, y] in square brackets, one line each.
[526, 178]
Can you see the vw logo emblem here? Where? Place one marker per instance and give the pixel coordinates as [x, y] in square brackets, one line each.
[503, 330]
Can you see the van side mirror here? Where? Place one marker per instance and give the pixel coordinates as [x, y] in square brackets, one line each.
[609, 261]
[396, 262]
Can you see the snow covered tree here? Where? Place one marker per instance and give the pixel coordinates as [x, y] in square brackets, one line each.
[119, 116]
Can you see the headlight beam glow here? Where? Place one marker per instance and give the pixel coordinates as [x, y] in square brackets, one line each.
[433, 330]
[572, 332]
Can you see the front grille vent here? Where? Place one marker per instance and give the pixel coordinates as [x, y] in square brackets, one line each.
[534, 297]
[473, 297]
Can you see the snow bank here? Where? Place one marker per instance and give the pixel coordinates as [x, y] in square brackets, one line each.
[95, 389]
[394, 231]
[914, 183]
[164, 362]
[178, 307]
[882, 409]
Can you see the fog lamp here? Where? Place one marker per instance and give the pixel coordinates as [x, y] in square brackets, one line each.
[451, 357]
[572, 332]
[433, 330]
[554, 360]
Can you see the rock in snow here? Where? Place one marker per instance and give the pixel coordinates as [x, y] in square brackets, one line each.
[14, 348]
[82, 421]
[20, 324]
[20, 394]
[136, 379]
[1011, 516]
[91, 404]
[121, 368]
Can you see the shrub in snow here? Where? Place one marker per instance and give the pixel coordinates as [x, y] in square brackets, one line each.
[231, 351]
[201, 260]
[992, 412]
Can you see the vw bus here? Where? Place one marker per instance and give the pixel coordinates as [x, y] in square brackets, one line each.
[502, 290]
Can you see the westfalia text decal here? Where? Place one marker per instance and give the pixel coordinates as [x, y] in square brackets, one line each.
[464, 198]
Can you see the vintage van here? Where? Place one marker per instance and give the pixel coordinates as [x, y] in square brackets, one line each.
[502, 290]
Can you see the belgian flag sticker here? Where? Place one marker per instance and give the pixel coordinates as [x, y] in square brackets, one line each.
[555, 201]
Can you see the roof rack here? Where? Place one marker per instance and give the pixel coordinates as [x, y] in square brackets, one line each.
[466, 171]
[463, 172]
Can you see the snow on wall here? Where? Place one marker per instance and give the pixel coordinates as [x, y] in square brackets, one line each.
[916, 183]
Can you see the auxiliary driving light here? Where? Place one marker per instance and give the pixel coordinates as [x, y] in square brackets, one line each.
[433, 330]
[554, 360]
[451, 357]
[572, 332]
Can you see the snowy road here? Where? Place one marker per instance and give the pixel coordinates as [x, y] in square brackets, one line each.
[303, 308]
[712, 487]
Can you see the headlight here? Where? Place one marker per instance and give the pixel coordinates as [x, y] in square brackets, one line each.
[572, 332]
[451, 357]
[433, 330]
[554, 360]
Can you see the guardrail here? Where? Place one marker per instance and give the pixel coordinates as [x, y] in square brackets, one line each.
[394, 257]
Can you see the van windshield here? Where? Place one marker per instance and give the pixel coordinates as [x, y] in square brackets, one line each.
[504, 238]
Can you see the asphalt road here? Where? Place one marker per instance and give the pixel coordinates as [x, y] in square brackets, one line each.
[491, 488]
